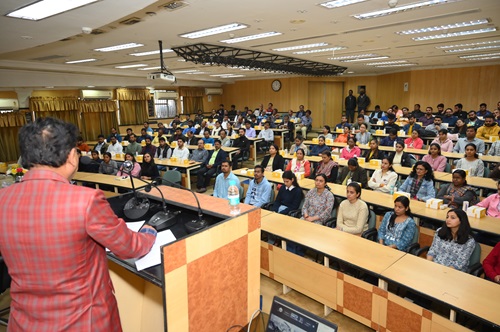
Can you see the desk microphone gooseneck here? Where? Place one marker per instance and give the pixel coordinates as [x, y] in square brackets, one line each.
[136, 207]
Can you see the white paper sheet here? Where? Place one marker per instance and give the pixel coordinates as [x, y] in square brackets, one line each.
[154, 256]
[133, 226]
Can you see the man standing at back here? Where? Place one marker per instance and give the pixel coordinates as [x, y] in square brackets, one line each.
[350, 106]
[363, 100]
[54, 246]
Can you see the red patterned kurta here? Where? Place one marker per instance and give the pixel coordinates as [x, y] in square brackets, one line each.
[52, 237]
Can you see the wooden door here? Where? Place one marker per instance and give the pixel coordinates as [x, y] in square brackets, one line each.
[325, 102]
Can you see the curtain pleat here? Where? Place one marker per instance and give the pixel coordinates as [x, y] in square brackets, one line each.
[133, 105]
[10, 124]
[98, 117]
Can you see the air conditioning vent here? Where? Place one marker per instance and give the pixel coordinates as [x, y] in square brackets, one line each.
[97, 32]
[9, 104]
[213, 91]
[166, 95]
[174, 5]
[96, 94]
[131, 21]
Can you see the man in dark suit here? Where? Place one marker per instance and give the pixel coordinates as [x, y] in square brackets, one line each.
[353, 172]
[208, 169]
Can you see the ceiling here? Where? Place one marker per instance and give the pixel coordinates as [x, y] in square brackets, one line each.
[33, 53]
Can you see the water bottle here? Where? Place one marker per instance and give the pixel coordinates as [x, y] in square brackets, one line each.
[286, 152]
[391, 190]
[233, 194]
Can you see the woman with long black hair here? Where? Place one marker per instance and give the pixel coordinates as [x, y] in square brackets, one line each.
[398, 227]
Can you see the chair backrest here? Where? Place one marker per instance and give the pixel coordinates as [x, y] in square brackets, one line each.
[475, 257]
[447, 168]
[372, 219]
[172, 176]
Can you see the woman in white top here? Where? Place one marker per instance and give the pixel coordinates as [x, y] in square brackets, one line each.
[471, 161]
[353, 212]
[384, 179]
[217, 129]
[364, 136]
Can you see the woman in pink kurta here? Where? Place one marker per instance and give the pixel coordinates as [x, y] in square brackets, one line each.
[444, 142]
[351, 150]
[414, 142]
[435, 159]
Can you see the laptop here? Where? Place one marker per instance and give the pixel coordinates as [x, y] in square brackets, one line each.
[287, 317]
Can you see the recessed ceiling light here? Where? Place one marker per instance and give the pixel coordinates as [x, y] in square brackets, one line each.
[353, 56]
[478, 55]
[214, 30]
[339, 3]
[485, 58]
[477, 48]
[49, 87]
[336, 48]
[385, 63]
[151, 52]
[398, 65]
[469, 44]
[149, 68]
[90, 86]
[404, 8]
[443, 27]
[366, 59]
[251, 37]
[46, 8]
[118, 47]
[455, 34]
[131, 66]
[81, 61]
[184, 71]
[196, 73]
[299, 47]
[227, 75]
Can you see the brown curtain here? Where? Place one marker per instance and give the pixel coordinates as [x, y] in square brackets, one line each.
[98, 117]
[133, 105]
[10, 124]
[64, 108]
[192, 99]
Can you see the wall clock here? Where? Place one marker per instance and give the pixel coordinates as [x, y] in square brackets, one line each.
[276, 85]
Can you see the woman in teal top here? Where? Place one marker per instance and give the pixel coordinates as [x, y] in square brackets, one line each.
[398, 227]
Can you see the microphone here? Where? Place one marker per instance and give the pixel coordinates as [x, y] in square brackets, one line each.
[136, 207]
[193, 225]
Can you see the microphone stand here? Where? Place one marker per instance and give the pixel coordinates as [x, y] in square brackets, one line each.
[135, 208]
[196, 224]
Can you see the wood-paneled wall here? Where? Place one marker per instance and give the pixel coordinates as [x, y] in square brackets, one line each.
[469, 86]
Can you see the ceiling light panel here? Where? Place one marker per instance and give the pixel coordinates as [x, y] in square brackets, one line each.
[251, 37]
[149, 68]
[131, 66]
[366, 59]
[443, 27]
[398, 65]
[477, 48]
[469, 44]
[385, 63]
[167, 50]
[404, 8]
[118, 47]
[46, 8]
[80, 61]
[455, 34]
[339, 3]
[299, 47]
[353, 56]
[214, 30]
[479, 55]
[330, 49]
[485, 58]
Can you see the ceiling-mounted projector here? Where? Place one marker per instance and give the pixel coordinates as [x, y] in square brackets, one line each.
[161, 76]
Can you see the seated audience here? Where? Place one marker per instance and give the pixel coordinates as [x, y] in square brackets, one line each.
[436, 126]
[460, 128]
[353, 212]
[249, 131]
[391, 139]
[373, 152]
[456, 193]
[209, 168]
[299, 164]
[289, 196]
[207, 139]
[449, 118]
[114, 133]
[108, 166]
[353, 172]
[398, 228]
[470, 137]
[342, 138]
[326, 166]
[217, 128]
[200, 154]
[471, 161]
[414, 142]
[490, 128]
[356, 126]
[299, 144]
[163, 150]
[177, 134]
[259, 189]
[273, 161]
[242, 143]
[114, 147]
[135, 172]
[399, 157]
[453, 243]
[435, 159]
[267, 134]
[494, 149]
[473, 120]
[129, 132]
[224, 179]
[101, 145]
[81, 145]
[420, 183]
[148, 148]
[391, 124]
[181, 152]
[143, 136]
[427, 118]
[306, 123]
[363, 136]
[149, 171]
[326, 132]
[133, 147]
[351, 150]
[492, 203]
[319, 148]
[491, 264]
[443, 141]
[376, 115]
[384, 179]
[319, 202]
[412, 126]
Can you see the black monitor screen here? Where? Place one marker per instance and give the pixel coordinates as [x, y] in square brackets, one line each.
[287, 317]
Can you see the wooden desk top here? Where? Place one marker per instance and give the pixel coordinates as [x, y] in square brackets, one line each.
[304, 183]
[350, 248]
[474, 295]
[314, 159]
[108, 179]
[224, 148]
[475, 181]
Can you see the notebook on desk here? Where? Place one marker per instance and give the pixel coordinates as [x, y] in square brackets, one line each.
[287, 317]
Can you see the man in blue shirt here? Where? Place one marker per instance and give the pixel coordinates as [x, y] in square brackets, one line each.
[449, 118]
[412, 125]
[391, 139]
[189, 128]
[259, 190]
[224, 179]
[148, 129]
[143, 136]
[306, 123]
